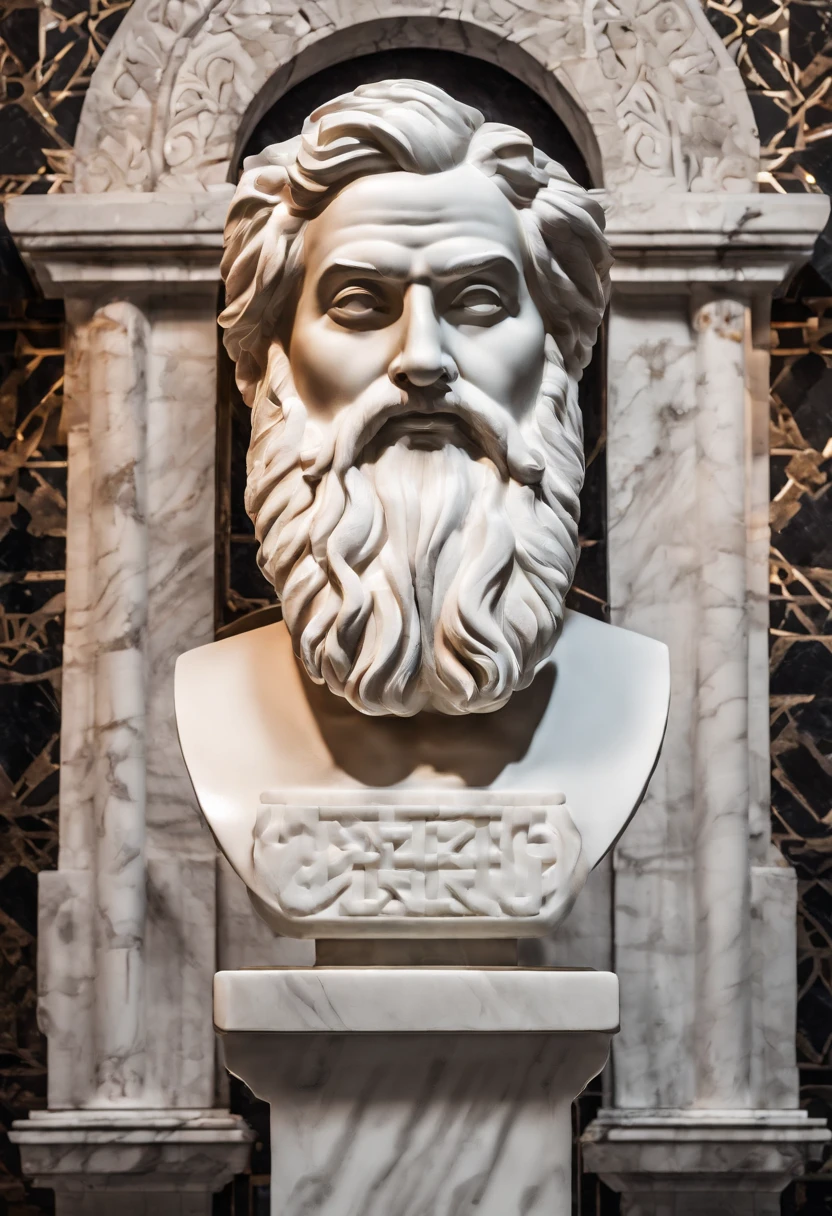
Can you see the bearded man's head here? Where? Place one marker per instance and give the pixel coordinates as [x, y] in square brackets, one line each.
[412, 295]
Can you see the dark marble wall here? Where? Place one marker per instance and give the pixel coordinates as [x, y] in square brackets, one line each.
[47, 54]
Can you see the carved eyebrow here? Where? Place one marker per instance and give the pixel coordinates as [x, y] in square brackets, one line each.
[472, 264]
[349, 264]
[341, 267]
[464, 265]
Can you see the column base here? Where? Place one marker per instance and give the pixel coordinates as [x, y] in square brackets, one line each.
[698, 1162]
[428, 1091]
[139, 1162]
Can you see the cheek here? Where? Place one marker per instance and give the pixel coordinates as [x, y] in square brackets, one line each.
[506, 361]
[332, 366]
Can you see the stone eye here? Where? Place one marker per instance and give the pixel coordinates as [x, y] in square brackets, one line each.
[356, 304]
[479, 303]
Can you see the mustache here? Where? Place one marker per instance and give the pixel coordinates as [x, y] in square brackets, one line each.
[490, 426]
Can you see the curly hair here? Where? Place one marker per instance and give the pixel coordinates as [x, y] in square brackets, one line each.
[410, 126]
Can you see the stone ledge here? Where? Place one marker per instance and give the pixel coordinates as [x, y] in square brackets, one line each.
[419, 1000]
[77, 243]
[116, 1149]
[676, 1152]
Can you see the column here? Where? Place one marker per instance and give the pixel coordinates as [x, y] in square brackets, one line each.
[704, 1112]
[722, 1002]
[118, 425]
[127, 924]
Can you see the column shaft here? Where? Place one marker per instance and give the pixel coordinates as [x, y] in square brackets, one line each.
[722, 1025]
[119, 336]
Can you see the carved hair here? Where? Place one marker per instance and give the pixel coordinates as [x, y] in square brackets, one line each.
[418, 579]
[413, 579]
[410, 126]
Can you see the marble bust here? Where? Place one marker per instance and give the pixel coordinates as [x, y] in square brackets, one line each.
[427, 743]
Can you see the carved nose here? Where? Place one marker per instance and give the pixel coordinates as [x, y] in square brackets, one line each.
[423, 360]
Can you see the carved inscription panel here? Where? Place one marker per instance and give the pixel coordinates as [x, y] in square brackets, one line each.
[331, 865]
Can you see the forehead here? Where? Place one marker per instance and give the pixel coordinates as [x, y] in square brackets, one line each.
[396, 219]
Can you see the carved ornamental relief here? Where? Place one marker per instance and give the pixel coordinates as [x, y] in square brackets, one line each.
[512, 864]
[665, 103]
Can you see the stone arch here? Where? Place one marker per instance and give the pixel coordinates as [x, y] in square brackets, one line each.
[652, 97]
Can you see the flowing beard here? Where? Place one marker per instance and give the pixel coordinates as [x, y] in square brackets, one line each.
[418, 568]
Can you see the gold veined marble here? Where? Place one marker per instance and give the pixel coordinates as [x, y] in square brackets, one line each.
[47, 56]
[784, 50]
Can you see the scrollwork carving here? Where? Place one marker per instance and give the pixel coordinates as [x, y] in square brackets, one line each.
[666, 104]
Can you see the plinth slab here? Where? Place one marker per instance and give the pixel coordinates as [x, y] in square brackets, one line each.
[393, 1000]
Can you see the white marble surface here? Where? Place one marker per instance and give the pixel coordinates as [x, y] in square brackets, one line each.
[244, 940]
[155, 1046]
[74, 243]
[132, 243]
[378, 1000]
[181, 504]
[774, 1078]
[425, 1108]
[189, 218]
[713, 223]
[392, 1125]
[416, 509]
[118, 467]
[140, 583]
[678, 574]
[595, 739]
[459, 342]
[722, 884]
[667, 551]
[178, 127]
[656, 550]
[695, 1162]
[66, 983]
[138, 1162]
[329, 861]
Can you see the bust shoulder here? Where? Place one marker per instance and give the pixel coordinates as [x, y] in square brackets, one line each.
[589, 728]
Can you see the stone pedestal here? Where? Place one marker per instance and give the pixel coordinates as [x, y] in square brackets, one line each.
[404, 1090]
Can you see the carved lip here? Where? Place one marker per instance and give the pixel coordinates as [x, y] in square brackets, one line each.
[435, 420]
[428, 430]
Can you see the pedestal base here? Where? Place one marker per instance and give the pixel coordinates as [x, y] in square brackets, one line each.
[136, 1162]
[429, 1091]
[698, 1162]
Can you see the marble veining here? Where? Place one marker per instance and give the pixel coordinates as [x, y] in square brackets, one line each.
[393, 1000]
[720, 747]
[118, 422]
[400, 1118]
[796, 721]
